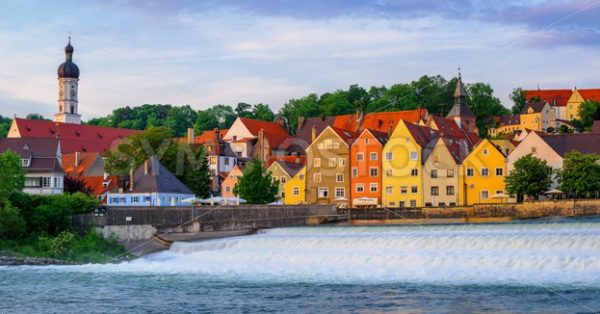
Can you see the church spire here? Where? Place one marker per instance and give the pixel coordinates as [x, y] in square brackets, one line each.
[460, 94]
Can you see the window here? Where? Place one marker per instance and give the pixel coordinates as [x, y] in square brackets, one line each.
[342, 162]
[282, 179]
[484, 195]
[340, 192]
[336, 145]
[226, 162]
[328, 144]
[388, 190]
[450, 173]
[213, 160]
[33, 182]
[450, 190]
[373, 187]
[414, 172]
[25, 162]
[414, 156]
[360, 188]
[57, 182]
[436, 158]
[499, 172]
[499, 192]
[331, 162]
[435, 191]
[442, 204]
[301, 177]
[295, 191]
[388, 173]
[403, 189]
[434, 173]
[45, 182]
[147, 198]
[402, 204]
[388, 156]
[323, 192]
[317, 162]
[228, 189]
[320, 146]
[367, 140]
[470, 172]
[355, 172]
[414, 189]
[373, 172]
[533, 149]
[317, 177]
[413, 203]
[339, 177]
[485, 172]
[373, 156]
[135, 199]
[485, 152]
[360, 157]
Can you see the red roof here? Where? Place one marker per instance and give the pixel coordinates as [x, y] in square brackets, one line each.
[421, 134]
[347, 136]
[274, 132]
[289, 159]
[73, 137]
[552, 96]
[346, 122]
[209, 136]
[381, 121]
[590, 94]
[96, 184]
[86, 160]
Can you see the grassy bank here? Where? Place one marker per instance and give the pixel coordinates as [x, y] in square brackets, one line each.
[67, 245]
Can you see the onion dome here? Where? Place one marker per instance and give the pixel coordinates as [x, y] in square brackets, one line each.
[68, 69]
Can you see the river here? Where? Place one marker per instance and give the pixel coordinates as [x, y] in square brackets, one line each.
[550, 266]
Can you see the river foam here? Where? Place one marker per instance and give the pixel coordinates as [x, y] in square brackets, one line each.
[510, 254]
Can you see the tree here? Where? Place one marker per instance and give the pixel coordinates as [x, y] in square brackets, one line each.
[12, 175]
[564, 129]
[580, 174]
[74, 185]
[262, 112]
[531, 176]
[307, 106]
[519, 101]
[179, 119]
[190, 165]
[206, 120]
[589, 111]
[12, 224]
[35, 116]
[243, 110]
[256, 186]
[484, 104]
[5, 123]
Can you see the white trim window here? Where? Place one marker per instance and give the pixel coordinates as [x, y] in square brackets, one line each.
[342, 162]
[317, 162]
[355, 172]
[470, 172]
[373, 156]
[485, 172]
[360, 187]
[339, 177]
[414, 156]
[373, 187]
[499, 172]
[360, 156]
[331, 162]
[485, 195]
[389, 156]
[373, 172]
[317, 177]
[340, 192]
[323, 191]
[295, 191]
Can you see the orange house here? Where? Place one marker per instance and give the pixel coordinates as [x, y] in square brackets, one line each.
[230, 182]
[365, 168]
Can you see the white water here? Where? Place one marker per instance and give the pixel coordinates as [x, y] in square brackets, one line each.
[514, 254]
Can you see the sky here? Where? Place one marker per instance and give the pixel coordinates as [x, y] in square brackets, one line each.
[208, 52]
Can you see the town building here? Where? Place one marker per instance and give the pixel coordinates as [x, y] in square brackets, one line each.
[282, 171]
[230, 181]
[508, 124]
[151, 185]
[89, 168]
[250, 138]
[365, 168]
[538, 116]
[557, 98]
[460, 112]
[295, 189]
[577, 97]
[327, 167]
[41, 159]
[484, 172]
[443, 158]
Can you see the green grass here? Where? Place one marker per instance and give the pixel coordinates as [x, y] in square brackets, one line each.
[87, 248]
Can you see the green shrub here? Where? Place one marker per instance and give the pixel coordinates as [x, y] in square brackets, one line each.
[59, 246]
[12, 225]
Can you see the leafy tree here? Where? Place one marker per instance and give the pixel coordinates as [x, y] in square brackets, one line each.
[243, 110]
[179, 119]
[225, 115]
[550, 130]
[589, 111]
[35, 116]
[307, 106]
[74, 185]
[484, 104]
[519, 101]
[12, 224]
[12, 175]
[580, 174]
[564, 129]
[531, 176]
[5, 123]
[256, 186]
[189, 164]
[262, 112]
[207, 120]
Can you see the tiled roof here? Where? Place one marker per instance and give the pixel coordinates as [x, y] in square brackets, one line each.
[422, 134]
[158, 179]
[537, 107]
[87, 161]
[73, 137]
[558, 97]
[582, 142]
[209, 136]
[590, 94]
[347, 136]
[290, 159]
[510, 119]
[290, 167]
[98, 186]
[43, 152]
[447, 127]
[274, 132]
[346, 122]
[382, 121]
[381, 137]
[460, 110]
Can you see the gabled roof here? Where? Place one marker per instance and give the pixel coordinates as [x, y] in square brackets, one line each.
[73, 137]
[447, 127]
[291, 168]
[347, 136]
[381, 137]
[558, 97]
[274, 132]
[99, 185]
[290, 159]
[422, 134]
[206, 136]
[458, 148]
[460, 110]
[563, 143]
[590, 94]
[43, 153]
[158, 179]
[382, 121]
[537, 107]
[90, 165]
[509, 119]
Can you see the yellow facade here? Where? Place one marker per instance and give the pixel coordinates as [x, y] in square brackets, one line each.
[281, 176]
[505, 129]
[484, 171]
[294, 189]
[532, 121]
[402, 172]
[573, 105]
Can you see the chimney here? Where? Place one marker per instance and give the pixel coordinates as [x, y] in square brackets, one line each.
[314, 133]
[217, 134]
[131, 179]
[389, 130]
[190, 135]
[77, 159]
[261, 141]
[146, 167]
[300, 122]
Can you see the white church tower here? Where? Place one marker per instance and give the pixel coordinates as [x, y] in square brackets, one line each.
[68, 78]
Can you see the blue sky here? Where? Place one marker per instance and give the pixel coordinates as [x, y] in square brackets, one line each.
[207, 52]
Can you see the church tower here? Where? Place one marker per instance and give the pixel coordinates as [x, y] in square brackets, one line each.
[460, 112]
[68, 78]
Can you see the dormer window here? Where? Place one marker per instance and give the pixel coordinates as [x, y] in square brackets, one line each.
[25, 162]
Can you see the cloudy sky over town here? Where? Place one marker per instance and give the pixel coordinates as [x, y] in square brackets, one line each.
[268, 51]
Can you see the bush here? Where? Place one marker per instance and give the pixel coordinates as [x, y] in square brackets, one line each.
[59, 246]
[12, 225]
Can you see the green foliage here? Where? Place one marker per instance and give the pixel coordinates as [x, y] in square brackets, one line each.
[5, 123]
[58, 246]
[219, 116]
[243, 110]
[518, 98]
[580, 174]
[12, 175]
[262, 112]
[484, 104]
[564, 129]
[531, 176]
[589, 111]
[550, 130]
[73, 185]
[256, 186]
[12, 224]
[35, 116]
[189, 163]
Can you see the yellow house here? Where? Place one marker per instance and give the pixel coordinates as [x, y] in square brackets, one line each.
[402, 165]
[506, 146]
[484, 171]
[282, 172]
[579, 96]
[294, 189]
[537, 116]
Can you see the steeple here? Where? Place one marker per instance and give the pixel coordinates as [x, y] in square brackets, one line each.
[68, 84]
[460, 94]
[460, 112]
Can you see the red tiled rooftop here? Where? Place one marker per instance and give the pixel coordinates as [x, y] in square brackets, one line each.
[274, 132]
[590, 94]
[552, 96]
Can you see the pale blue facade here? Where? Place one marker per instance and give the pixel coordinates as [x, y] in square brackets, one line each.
[147, 199]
